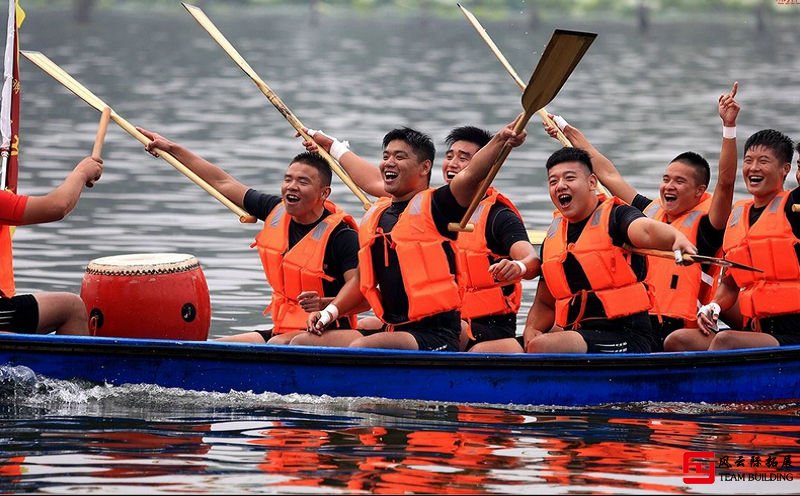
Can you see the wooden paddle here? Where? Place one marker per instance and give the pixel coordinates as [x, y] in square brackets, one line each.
[796, 207]
[542, 112]
[560, 57]
[97, 149]
[51, 68]
[223, 42]
[701, 259]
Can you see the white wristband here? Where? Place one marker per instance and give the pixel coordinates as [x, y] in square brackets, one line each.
[521, 266]
[328, 315]
[339, 148]
[312, 132]
[560, 122]
[729, 132]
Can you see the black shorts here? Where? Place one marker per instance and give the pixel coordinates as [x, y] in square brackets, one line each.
[493, 327]
[664, 329]
[784, 328]
[19, 314]
[440, 332]
[634, 335]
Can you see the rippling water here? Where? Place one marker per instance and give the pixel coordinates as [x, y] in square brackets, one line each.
[642, 98]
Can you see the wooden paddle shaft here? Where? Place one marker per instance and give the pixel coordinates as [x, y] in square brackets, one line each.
[105, 116]
[659, 253]
[796, 207]
[300, 128]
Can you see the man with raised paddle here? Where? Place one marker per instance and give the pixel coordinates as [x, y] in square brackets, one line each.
[764, 232]
[684, 203]
[407, 258]
[308, 246]
[492, 258]
[591, 286]
[40, 313]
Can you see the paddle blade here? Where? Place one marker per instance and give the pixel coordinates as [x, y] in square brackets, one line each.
[560, 57]
[44, 63]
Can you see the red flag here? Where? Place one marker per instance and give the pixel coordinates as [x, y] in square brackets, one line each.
[10, 138]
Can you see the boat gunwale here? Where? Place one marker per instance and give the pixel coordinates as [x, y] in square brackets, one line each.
[207, 350]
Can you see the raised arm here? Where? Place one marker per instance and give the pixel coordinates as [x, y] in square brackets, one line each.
[648, 233]
[210, 173]
[60, 202]
[726, 177]
[468, 181]
[364, 173]
[603, 167]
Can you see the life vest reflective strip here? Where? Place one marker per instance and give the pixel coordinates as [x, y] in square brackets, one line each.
[429, 285]
[482, 295]
[769, 244]
[678, 287]
[606, 266]
[292, 271]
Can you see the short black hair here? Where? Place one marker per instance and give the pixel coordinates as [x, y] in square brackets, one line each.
[421, 143]
[700, 165]
[776, 141]
[569, 154]
[316, 161]
[470, 134]
[797, 147]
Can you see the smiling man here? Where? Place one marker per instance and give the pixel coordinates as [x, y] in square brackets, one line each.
[591, 286]
[762, 232]
[684, 203]
[308, 246]
[407, 258]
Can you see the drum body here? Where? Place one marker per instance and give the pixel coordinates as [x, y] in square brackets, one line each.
[148, 295]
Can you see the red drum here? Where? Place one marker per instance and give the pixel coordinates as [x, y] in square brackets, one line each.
[147, 295]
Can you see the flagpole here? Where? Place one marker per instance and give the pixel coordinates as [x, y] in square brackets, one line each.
[5, 98]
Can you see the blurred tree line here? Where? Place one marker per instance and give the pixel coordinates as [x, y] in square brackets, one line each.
[641, 10]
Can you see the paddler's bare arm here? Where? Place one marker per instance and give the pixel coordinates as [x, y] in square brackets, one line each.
[63, 199]
[648, 233]
[603, 167]
[723, 192]
[468, 181]
[210, 173]
[348, 301]
[364, 173]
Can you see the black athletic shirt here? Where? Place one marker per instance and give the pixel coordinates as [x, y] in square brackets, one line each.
[594, 318]
[445, 209]
[709, 238]
[341, 253]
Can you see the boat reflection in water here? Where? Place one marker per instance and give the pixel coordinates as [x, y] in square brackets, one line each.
[60, 436]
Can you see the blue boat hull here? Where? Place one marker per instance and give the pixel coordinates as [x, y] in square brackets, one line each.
[766, 374]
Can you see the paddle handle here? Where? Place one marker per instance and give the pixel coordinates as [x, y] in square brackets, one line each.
[659, 253]
[464, 225]
[105, 117]
[796, 207]
[244, 217]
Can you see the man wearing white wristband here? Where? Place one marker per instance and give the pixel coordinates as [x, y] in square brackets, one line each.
[763, 232]
[684, 203]
[308, 246]
[493, 258]
[407, 259]
[591, 286]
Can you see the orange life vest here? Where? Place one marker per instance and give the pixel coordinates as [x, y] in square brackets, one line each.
[429, 285]
[482, 295]
[606, 266]
[292, 271]
[678, 287]
[769, 245]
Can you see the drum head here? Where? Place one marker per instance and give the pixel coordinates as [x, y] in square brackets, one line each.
[143, 263]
